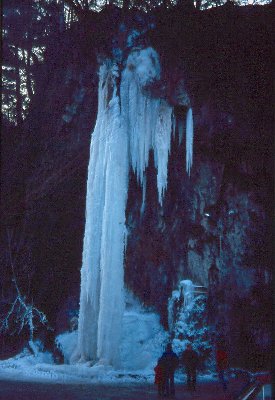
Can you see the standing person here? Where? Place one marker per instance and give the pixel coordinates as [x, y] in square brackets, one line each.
[159, 377]
[170, 363]
[222, 365]
[190, 360]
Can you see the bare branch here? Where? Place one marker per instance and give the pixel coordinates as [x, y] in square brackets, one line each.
[23, 313]
[76, 8]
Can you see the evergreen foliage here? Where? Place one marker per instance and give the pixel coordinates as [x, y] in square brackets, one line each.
[191, 326]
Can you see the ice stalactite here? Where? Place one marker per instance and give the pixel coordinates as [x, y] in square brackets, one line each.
[149, 119]
[142, 208]
[125, 132]
[189, 140]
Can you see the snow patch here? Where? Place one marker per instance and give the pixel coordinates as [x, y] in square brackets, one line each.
[142, 340]
[66, 343]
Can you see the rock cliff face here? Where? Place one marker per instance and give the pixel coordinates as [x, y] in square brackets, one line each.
[221, 212]
[217, 61]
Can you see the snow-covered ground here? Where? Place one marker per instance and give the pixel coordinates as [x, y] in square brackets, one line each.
[142, 343]
[27, 367]
[40, 368]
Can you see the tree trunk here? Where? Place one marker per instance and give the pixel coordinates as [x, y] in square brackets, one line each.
[61, 17]
[27, 60]
[18, 97]
[126, 4]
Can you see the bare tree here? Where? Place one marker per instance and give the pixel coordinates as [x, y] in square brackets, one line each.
[21, 313]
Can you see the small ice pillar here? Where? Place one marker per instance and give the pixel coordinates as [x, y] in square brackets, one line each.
[188, 292]
[189, 140]
[171, 308]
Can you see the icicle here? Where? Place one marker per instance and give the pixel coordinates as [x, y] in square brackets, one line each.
[138, 110]
[149, 120]
[142, 208]
[189, 140]
[162, 146]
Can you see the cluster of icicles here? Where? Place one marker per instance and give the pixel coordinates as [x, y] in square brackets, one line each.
[128, 125]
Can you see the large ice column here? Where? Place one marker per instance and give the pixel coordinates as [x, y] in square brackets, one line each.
[189, 140]
[90, 285]
[113, 237]
[101, 299]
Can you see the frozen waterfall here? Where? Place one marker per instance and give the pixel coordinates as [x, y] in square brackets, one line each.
[126, 129]
[101, 299]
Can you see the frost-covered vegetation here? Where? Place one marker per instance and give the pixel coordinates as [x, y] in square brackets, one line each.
[192, 327]
[189, 323]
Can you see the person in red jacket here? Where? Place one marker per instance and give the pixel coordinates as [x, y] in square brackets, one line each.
[159, 377]
[222, 365]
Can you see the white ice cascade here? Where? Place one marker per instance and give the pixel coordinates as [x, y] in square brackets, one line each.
[148, 119]
[189, 140]
[123, 136]
[101, 299]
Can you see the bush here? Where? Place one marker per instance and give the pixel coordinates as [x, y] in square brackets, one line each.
[191, 327]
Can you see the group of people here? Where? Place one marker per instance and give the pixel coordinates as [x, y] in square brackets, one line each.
[169, 362]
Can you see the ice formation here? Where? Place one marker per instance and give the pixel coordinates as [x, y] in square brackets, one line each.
[172, 302]
[189, 140]
[184, 296]
[126, 129]
[148, 120]
[101, 299]
[188, 292]
[66, 343]
[142, 339]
